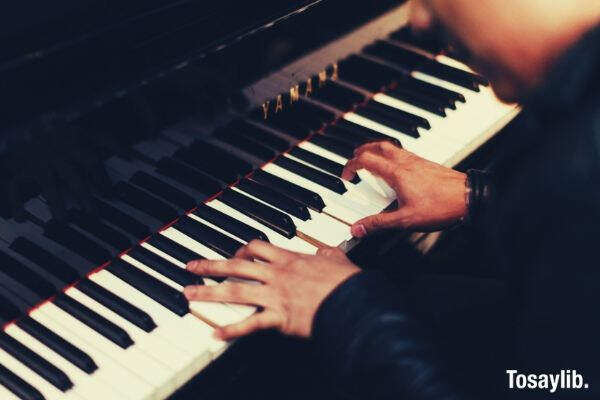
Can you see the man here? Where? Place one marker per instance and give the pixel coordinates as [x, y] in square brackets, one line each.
[533, 309]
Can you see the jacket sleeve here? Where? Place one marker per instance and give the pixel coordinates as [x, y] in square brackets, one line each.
[371, 348]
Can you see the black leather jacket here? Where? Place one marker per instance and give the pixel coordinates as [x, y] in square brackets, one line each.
[534, 306]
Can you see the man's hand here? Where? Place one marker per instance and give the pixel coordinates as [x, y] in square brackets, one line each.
[430, 196]
[292, 286]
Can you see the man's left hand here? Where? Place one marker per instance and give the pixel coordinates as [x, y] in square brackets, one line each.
[292, 286]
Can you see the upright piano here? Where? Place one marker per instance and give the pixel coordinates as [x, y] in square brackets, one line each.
[139, 135]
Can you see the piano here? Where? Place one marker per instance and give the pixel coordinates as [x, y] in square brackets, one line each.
[91, 302]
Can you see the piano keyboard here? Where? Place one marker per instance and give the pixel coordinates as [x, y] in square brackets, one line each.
[79, 327]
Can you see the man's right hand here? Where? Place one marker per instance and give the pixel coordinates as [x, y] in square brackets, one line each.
[430, 196]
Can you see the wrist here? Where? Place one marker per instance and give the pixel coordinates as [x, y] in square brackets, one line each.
[478, 189]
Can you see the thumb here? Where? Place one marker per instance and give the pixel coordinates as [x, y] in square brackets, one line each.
[374, 223]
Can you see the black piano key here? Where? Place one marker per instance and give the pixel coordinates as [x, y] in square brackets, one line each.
[173, 249]
[35, 362]
[351, 138]
[227, 174]
[26, 277]
[66, 236]
[417, 62]
[157, 290]
[435, 91]
[216, 158]
[334, 145]
[215, 240]
[8, 311]
[369, 134]
[45, 259]
[117, 304]
[268, 216]
[430, 42]
[246, 144]
[303, 195]
[94, 320]
[259, 135]
[454, 75]
[397, 115]
[400, 56]
[275, 198]
[321, 162]
[418, 96]
[339, 96]
[229, 224]
[67, 350]
[18, 386]
[417, 101]
[332, 183]
[163, 190]
[97, 228]
[189, 176]
[296, 116]
[291, 127]
[389, 121]
[368, 74]
[121, 219]
[145, 202]
[178, 275]
[305, 108]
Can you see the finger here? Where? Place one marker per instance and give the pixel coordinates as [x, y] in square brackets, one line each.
[237, 268]
[376, 222]
[331, 252]
[238, 293]
[257, 249]
[382, 148]
[371, 162]
[261, 321]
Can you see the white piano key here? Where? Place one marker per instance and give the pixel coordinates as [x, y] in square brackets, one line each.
[372, 204]
[215, 227]
[6, 394]
[127, 358]
[121, 378]
[182, 351]
[321, 226]
[158, 355]
[87, 386]
[49, 391]
[335, 204]
[217, 313]
[241, 309]
[191, 244]
[425, 146]
[308, 146]
[455, 125]
[374, 183]
[191, 334]
[294, 244]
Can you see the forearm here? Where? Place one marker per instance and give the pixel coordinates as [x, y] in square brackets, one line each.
[372, 347]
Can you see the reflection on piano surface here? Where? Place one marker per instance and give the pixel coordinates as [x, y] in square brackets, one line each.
[92, 303]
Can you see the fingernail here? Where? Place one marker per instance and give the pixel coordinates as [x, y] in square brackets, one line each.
[358, 230]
